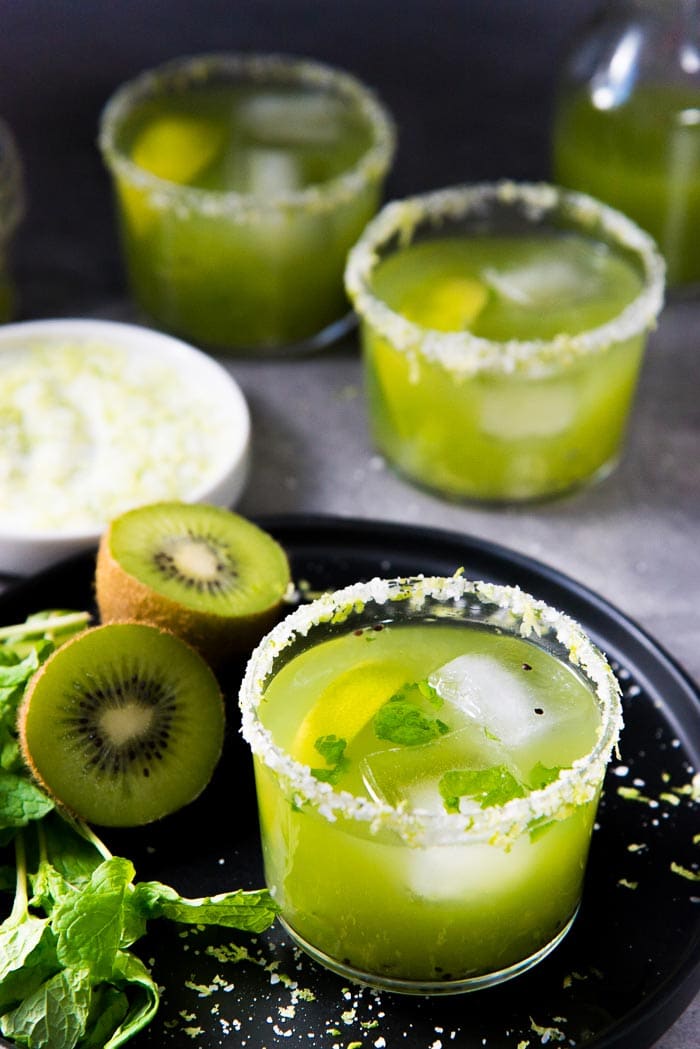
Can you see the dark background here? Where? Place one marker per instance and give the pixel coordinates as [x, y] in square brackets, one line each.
[470, 83]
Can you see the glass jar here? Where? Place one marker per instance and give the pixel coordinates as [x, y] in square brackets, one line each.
[627, 122]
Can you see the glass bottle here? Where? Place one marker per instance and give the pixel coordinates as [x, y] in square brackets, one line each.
[627, 122]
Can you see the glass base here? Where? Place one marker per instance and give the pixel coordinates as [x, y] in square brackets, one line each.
[428, 987]
[511, 499]
[329, 335]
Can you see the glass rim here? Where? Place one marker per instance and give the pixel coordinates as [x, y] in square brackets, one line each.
[498, 824]
[321, 196]
[465, 354]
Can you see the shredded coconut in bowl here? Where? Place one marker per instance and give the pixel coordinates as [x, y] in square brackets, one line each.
[96, 418]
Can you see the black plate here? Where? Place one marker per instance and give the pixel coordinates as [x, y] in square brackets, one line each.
[626, 971]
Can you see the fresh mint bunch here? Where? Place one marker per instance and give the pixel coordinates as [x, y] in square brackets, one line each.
[68, 979]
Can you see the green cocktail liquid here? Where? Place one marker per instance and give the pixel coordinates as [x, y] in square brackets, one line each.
[440, 718]
[260, 273]
[643, 157]
[506, 433]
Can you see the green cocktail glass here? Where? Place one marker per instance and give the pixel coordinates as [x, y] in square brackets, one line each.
[503, 327]
[429, 754]
[241, 183]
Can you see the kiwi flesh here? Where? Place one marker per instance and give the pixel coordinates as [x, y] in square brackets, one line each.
[123, 724]
[207, 574]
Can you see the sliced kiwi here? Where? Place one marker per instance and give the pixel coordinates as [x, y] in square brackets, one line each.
[123, 724]
[206, 573]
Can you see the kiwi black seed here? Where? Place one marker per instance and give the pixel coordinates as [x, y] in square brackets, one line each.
[209, 575]
[123, 724]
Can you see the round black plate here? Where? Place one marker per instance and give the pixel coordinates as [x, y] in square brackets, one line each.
[623, 975]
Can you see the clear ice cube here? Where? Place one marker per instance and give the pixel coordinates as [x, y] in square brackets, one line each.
[544, 282]
[270, 172]
[537, 716]
[411, 775]
[272, 118]
[514, 413]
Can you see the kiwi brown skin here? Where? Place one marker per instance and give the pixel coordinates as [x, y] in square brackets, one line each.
[61, 805]
[220, 639]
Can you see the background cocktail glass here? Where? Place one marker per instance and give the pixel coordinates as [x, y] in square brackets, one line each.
[521, 415]
[238, 208]
[343, 868]
[11, 212]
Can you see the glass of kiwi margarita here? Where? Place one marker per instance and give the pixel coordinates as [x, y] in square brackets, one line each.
[503, 327]
[429, 754]
[242, 181]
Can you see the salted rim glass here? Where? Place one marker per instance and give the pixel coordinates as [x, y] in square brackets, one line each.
[410, 599]
[494, 207]
[179, 74]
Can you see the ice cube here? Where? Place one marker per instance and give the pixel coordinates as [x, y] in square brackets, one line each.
[270, 172]
[543, 282]
[411, 774]
[465, 872]
[516, 412]
[274, 119]
[542, 715]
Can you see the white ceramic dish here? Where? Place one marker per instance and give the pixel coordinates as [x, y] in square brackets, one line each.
[98, 416]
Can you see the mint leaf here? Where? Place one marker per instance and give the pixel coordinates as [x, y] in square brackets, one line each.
[21, 801]
[541, 775]
[54, 1015]
[331, 748]
[493, 786]
[131, 975]
[90, 927]
[406, 724]
[250, 911]
[108, 1010]
[27, 958]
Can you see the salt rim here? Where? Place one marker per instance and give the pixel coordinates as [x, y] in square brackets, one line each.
[318, 198]
[465, 354]
[497, 825]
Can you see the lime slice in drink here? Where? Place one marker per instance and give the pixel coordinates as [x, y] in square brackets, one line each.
[177, 148]
[346, 706]
[451, 305]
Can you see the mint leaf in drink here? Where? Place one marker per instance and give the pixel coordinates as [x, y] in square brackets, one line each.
[27, 958]
[493, 786]
[541, 776]
[405, 724]
[250, 911]
[332, 750]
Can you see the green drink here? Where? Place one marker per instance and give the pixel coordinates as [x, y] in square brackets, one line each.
[503, 329]
[429, 753]
[242, 181]
[643, 157]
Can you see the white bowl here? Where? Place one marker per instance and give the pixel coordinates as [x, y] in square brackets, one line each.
[97, 417]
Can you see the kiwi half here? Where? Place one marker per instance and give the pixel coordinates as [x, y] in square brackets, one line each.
[206, 573]
[123, 724]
